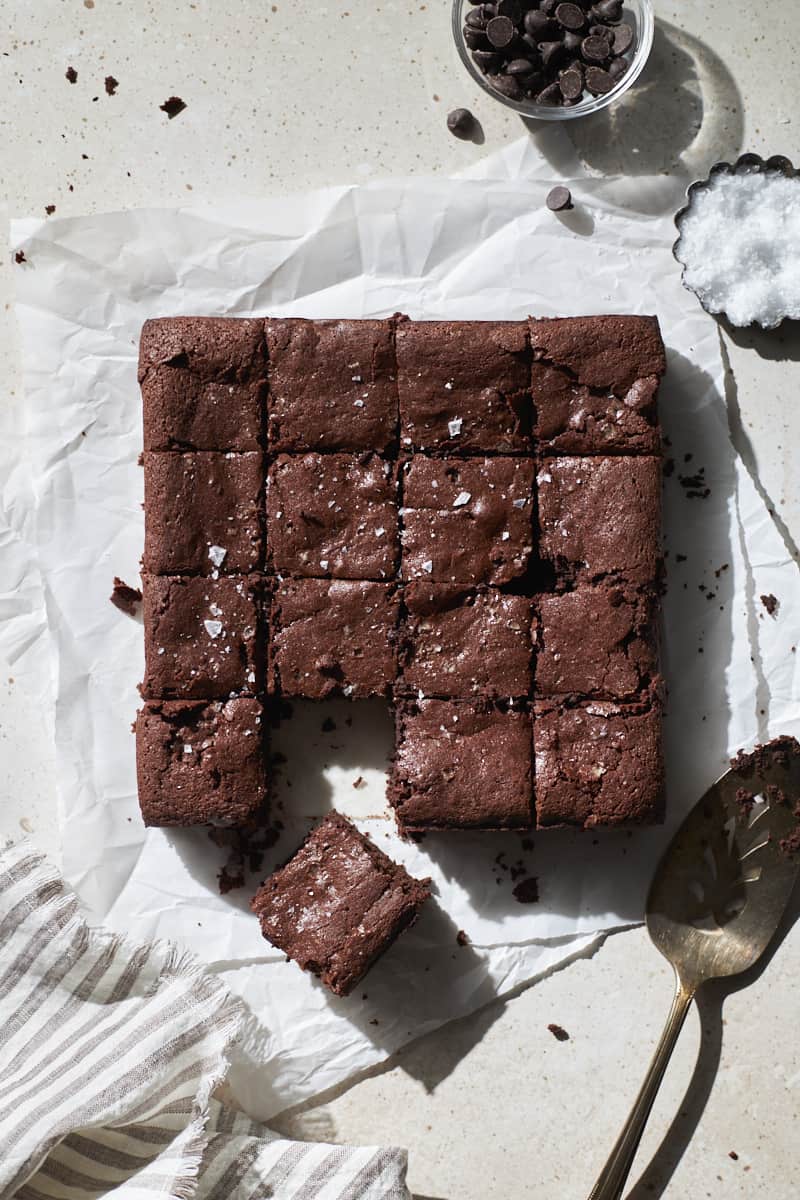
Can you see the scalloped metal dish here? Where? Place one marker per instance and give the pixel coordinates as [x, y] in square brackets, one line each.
[746, 164]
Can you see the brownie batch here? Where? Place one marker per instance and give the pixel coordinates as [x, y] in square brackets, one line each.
[462, 517]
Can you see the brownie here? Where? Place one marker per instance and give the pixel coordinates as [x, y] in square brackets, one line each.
[332, 515]
[338, 904]
[201, 636]
[464, 386]
[461, 765]
[600, 518]
[467, 521]
[203, 382]
[204, 513]
[598, 763]
[201, 762]
[465, 642]
[332, 385]
[571, 418]
[606, 353]
[333, 636]
[596, 641]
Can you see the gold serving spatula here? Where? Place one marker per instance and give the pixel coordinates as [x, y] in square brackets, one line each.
[716, 901]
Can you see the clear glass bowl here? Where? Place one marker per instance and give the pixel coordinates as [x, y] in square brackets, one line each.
[638, 14]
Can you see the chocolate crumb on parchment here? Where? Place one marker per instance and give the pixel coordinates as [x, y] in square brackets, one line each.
[49, 209]
[732, 1154]
[19, 256]
[246, 846]
[173, 106]
[771, 603]
[71, 75]
[461, 938]
[111, 85]
[126, 598]
[558, 1032]
[527, 892]
[328, 725]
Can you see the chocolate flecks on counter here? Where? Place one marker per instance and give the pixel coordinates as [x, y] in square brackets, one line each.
[111, 85]
[770, 603]
[71, 75]
[19, 256]
[173, 106]
[49, 209]
[558, 1032]
[127, 599]
[527, 891]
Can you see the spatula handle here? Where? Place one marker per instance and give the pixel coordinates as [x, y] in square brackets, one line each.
[611, 1181]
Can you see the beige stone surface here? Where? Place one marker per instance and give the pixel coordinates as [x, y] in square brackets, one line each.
[282, 97]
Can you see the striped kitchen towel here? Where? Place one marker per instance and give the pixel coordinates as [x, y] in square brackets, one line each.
[109, 1055]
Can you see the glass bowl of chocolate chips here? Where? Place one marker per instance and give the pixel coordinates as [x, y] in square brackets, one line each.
[554, 59]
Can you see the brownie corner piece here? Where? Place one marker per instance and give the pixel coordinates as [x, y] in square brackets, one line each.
[606, 351]
[598, 764]
[332, 385]
[338, 904]
[201, 762]
[333, 636]
[461, 765]
[464, 386]
[332, 515]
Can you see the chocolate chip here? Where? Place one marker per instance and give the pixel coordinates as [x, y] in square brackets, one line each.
[538, 25]
[500, 31]
[598, 81]
[488, 61]
[607, 10]
[173, 106]
[572, 42]
[475, 39]
[550, 95]
[603, 31]
[475, 19]
[617, 67]
[520, 67]
[623, 39]
[551, 52]
[507, 86]
[548, 7]
[559, 198]
[595, 49]
[571, 85]
[570, 16]
[511, 9]
[461, 123]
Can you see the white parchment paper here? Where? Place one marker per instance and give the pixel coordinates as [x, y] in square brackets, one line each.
[72, 519]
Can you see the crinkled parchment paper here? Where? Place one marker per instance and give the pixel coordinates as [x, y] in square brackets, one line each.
[72, 519]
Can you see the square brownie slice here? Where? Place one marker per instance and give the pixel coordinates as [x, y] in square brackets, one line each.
[467, 521]
[333, 636]
[338, 904]
[204, 513]
[465, 642]
[598, 764]
[201, 762]
[596, 641]
[332, 515]
[332, 385]
[461, 765]
[464, 386]
[600, 519]
[203, 382]
[201, 636]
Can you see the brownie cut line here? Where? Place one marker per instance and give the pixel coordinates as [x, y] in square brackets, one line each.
[338, 904]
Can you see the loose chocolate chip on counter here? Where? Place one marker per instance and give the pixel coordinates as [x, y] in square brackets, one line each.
[595, 49]
[558, 199]
[173, 106]
[623, 39]
[461, 123]
[571, 84]
[570, 16]
[598, 81]
[500, 32]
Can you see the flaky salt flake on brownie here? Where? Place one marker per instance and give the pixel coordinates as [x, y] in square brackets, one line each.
[338, 904]
[333, 636]
[332, 385]
[201, 762]
[600, 518]
[204, 513]
[201, 636]
[597, 764]
[596, 641]
[464, 386]
[203, 382]
[461, 765]
[465, 642]
[467, 521]
[332, 515]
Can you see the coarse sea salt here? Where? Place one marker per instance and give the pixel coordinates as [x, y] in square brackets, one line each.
[740, 246]
[217, 555]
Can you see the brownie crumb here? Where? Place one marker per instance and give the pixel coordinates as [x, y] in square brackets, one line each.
[126, 598]
[49, 209]
[558, 1033]
[328, 725]
[246, 846]
[770, 603]
[360, 782]
[173, 106]
[779, 752]
[790, 846]
[71, 75]
[19, 256]
[461, 938]
[680, 558]
[695, 485]
[732, 1154]
[745, 798]
[111, 85]
[527, 892]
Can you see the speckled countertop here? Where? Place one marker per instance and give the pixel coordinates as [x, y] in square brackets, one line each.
[284, 97]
